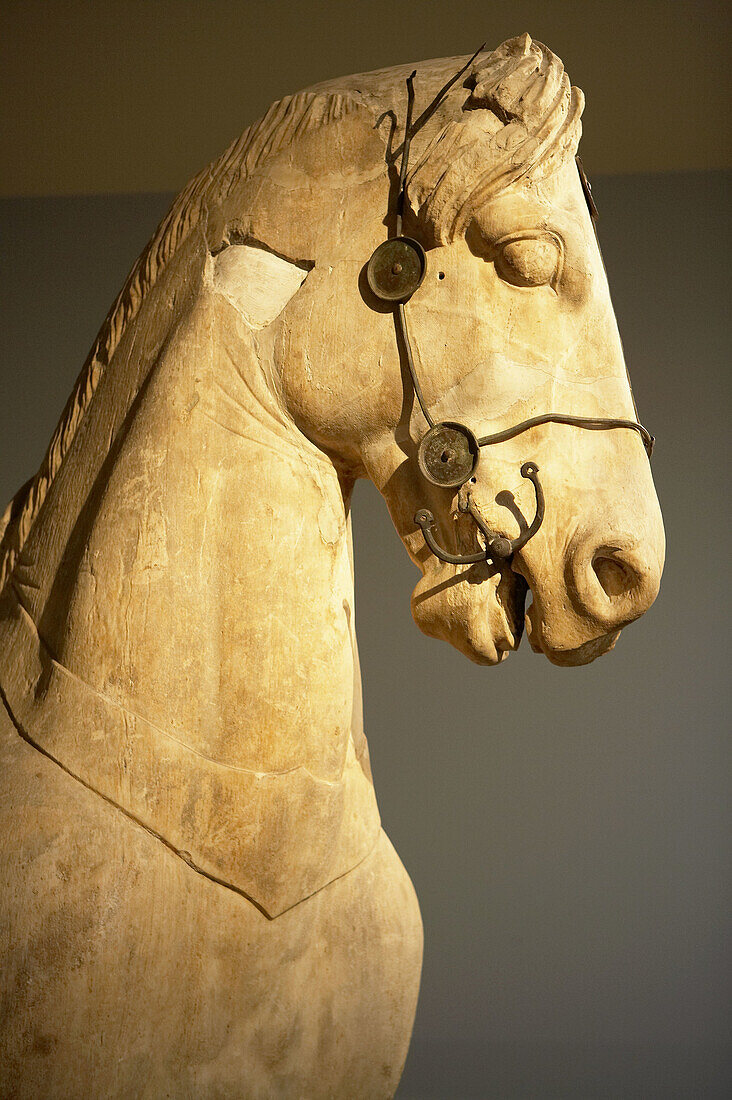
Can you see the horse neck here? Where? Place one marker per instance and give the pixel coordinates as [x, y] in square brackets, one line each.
[198, 572]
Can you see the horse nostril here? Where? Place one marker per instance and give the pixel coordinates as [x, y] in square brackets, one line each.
[612, 582]
[615, 578]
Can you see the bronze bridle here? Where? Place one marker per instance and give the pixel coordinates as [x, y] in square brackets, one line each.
[449, 452]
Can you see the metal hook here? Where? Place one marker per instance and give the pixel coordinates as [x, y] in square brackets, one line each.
[498, 547]
[424, 519]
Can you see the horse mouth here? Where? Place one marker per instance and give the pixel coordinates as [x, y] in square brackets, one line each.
[480, 611]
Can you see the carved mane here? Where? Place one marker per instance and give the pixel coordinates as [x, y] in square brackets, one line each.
[521, 121]
[285, 121]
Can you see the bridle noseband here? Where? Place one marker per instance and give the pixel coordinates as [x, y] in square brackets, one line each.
[449, 452]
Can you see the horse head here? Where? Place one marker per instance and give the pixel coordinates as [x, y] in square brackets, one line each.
[510, 337]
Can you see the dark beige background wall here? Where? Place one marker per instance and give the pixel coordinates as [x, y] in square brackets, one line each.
[137, 95]
[567, 829]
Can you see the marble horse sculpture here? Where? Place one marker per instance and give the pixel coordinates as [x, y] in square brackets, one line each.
[198, 899]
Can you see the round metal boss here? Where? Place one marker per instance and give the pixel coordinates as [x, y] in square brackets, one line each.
[396, 269]
[448, 454]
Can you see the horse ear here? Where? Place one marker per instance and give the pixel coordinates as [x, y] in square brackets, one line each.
[258, 283]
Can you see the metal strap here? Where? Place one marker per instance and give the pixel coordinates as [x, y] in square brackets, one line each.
[594, 423]
[401, 322]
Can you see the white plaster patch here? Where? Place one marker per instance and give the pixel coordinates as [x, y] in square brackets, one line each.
[256, 282]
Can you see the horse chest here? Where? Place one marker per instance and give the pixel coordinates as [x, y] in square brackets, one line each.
[125, 968]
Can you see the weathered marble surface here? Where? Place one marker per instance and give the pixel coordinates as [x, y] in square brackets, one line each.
[197, 896]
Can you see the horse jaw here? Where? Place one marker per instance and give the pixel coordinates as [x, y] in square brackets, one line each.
[478, 610]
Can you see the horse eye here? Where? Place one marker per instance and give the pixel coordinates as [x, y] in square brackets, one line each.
[529, 261]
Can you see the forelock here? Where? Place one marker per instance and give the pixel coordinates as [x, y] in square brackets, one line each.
[520, 121]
